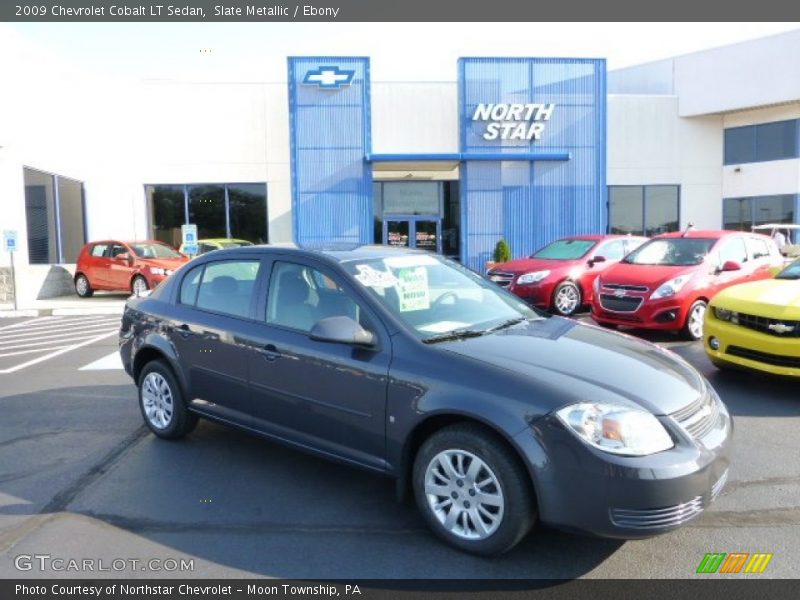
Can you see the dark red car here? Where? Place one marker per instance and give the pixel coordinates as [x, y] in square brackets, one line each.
[559, 277]
[117, 266]
[667, 282]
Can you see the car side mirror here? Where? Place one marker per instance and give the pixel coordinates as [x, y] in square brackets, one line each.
[342, 330]
[596, 259]
[731, 265]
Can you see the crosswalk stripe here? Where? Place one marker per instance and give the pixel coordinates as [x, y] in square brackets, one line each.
[50, 338]
[31, 351]
[57, 353]
[107, 363]
[75, 327]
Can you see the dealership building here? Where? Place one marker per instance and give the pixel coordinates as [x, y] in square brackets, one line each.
[524, 149]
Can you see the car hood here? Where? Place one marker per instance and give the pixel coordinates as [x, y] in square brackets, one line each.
[776, 298]
[588, 362]
[528, 265]
[648, 275]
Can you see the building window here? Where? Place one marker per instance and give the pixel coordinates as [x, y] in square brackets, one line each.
[742, 213]
[54, 213]
[643, 209]
[758, 143]
[222, 210]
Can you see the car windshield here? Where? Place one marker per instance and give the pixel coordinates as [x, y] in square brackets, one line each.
[234, 243]
[675, 252]
[438, 298]
[144, 250]
[790, 272]
[565, 249]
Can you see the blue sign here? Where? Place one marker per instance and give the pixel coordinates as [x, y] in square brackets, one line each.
[331, 77]
[10, 240]
[189, 235]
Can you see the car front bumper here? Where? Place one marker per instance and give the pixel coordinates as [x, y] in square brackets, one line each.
[750, 349]
[668, 314]
[582, 489]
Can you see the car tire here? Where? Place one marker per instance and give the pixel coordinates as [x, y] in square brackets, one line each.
[161, 402]
[567, 299]
[138, 285]
[82, 286]
[693, 327]
[491, 527]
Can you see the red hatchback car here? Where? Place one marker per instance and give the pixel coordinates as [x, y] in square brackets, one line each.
[559, 277]
[667, 282]
[115, 265]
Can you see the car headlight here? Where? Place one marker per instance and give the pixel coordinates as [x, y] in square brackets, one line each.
[156, 270]
[168, 272]
[533, 277]
[671, 287]
[723, 314]
[616, 429]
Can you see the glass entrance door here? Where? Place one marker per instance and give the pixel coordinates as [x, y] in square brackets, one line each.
[421, 233]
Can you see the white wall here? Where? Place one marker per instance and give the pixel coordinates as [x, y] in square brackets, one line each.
[648, 143]
[758, 72]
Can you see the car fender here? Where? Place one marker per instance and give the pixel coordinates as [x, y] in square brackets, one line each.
[154, 341]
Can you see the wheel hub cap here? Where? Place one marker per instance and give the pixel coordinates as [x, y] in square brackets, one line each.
[157, 400]
[464, 494]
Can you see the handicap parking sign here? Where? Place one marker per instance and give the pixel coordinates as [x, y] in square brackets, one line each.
[189, 235]
[10, 240]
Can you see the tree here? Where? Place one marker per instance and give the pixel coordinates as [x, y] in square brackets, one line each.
[502, 253]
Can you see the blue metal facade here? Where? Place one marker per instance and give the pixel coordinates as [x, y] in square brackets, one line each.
[330, 129]
[530, 203]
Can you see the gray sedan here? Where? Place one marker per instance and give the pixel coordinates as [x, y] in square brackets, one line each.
[492, 415]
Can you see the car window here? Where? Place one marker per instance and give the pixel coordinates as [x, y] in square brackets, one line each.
[569, 249]
[99, 249]
[633, 243]
[758, 248]
[300, 295]
[116, 250]
[190, 284]
[151, 250]
[227, 287]
[674, 252]
[733, 249]
[613, 250]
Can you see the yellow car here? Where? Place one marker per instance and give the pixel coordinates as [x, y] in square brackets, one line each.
[756, 325]
[208, 245]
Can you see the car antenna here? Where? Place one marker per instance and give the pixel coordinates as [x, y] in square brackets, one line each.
[689, 227]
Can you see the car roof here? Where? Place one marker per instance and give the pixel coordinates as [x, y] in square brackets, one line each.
[703, 233]
[341, 252]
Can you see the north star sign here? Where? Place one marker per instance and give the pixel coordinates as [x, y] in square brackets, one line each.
[513, 121]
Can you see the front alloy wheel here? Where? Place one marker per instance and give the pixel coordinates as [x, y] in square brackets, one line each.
[472, 489]
[566, 298]
[139, 285]
[693, 330]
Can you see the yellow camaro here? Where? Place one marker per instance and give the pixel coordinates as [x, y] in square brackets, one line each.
[757, 325]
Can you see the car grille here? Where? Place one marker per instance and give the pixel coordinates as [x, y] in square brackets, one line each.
[622, 286]
[764, 357]
[501, 278]
[763, 324]
[620, 303]
[700, 417]
[657, 518]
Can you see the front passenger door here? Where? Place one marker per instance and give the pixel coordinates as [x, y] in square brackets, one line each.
[327, 396]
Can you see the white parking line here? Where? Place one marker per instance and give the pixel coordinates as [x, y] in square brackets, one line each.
[107, 363]
[74, 330]
[57, 353]
[31, 351]
[53, 325]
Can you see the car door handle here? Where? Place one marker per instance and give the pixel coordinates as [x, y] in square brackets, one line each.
[270, 352]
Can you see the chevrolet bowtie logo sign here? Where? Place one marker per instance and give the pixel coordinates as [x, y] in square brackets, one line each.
[780, 328]
[329, 77]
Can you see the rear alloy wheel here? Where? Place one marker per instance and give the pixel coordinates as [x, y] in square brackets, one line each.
[82, 286]
[566, 298]
[472, 491]
[139, 285]
[693, 328]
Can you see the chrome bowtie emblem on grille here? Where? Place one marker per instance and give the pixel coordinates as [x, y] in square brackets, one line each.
[780, 327]
[329, 77]
[619, 293]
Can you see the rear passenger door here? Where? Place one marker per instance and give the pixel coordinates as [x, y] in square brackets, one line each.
[217, 307]
[97, 265]
[327, 396]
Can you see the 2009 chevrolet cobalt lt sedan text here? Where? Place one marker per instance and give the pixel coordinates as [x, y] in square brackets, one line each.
[407, 364]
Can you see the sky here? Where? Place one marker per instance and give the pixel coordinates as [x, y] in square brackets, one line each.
[398, 51]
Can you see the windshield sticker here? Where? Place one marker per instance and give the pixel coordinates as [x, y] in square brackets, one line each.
[413, 289]
[370, 277]
[413, 260]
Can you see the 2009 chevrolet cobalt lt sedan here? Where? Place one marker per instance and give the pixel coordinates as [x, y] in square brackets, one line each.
[404, 363]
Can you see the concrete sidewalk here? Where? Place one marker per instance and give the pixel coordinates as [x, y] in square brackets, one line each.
[102, 303]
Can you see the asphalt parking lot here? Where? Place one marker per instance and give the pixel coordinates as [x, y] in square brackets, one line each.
[80, 477]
